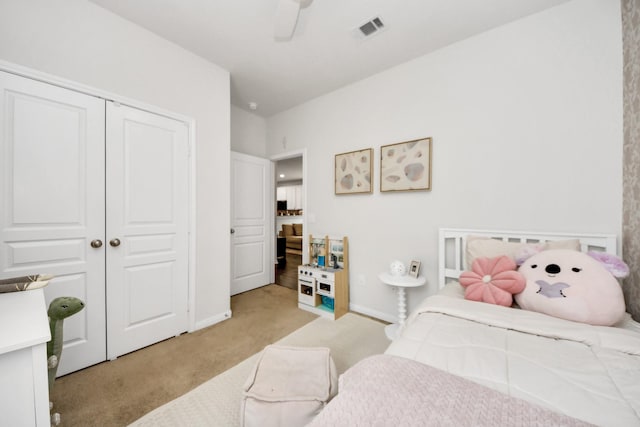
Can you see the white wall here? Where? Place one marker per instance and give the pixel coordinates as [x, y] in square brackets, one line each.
[79, 41]
[526, 123]
[248, 133]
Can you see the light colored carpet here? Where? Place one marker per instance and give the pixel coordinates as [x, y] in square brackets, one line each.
[217, 402]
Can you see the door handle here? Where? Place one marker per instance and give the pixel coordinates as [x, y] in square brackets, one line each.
[233, 230]
[114, 242]
[96, 243]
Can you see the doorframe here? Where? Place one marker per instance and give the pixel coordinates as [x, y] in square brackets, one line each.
[191, 130]
[302, 152]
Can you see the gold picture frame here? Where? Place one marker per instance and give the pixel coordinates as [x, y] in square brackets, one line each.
[354, 172]
[406, 166]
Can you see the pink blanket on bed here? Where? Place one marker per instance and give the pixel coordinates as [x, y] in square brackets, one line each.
[386, 390]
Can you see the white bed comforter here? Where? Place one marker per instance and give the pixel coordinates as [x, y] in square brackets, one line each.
[588, 372]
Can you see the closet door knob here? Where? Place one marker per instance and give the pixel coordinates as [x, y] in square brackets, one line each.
[114, 242]
[96, 243]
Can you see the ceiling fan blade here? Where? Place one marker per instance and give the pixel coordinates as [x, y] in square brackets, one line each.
[286, 19]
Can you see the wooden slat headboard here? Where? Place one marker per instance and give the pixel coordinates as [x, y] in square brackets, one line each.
[452, 243]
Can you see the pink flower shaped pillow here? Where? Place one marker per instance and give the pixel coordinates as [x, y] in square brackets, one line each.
[492, 280]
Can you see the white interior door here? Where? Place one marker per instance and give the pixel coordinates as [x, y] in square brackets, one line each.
[52, 195]
[147, 228]
[251, 215]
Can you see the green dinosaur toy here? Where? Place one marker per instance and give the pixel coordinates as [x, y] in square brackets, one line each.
[59, 309]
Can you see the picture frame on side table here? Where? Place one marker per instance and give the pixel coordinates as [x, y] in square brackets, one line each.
[406, 166]
[414, 269]
[354, 172]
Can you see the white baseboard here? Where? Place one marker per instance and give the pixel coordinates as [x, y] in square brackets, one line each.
[212, 320]
[373, 313]
[353, 307]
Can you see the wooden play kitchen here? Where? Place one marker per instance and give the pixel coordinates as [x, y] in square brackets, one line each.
[323, 284]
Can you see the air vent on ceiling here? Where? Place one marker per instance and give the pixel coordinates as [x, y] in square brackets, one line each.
[370, 28]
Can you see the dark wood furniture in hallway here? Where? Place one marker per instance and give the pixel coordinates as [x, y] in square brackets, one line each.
[287, 272]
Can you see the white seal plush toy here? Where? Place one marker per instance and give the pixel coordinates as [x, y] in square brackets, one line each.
[574, 285]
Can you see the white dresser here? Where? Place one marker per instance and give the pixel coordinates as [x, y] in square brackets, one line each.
[24, 332]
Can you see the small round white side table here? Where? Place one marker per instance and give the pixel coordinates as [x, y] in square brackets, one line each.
[400, 283]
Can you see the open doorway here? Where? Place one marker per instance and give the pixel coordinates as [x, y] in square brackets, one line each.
[289, 219]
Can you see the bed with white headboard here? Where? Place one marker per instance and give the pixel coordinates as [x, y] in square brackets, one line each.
[452, 243]
[461, 362]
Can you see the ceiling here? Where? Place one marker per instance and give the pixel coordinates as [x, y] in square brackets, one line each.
[290, 168]
[323, 53]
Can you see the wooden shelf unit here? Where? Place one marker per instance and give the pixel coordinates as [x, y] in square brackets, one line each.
[328, 277]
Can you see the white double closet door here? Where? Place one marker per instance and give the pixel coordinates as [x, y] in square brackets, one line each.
[96, 194]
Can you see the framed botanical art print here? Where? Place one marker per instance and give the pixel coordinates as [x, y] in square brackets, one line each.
[353, 172]
[406, 166]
